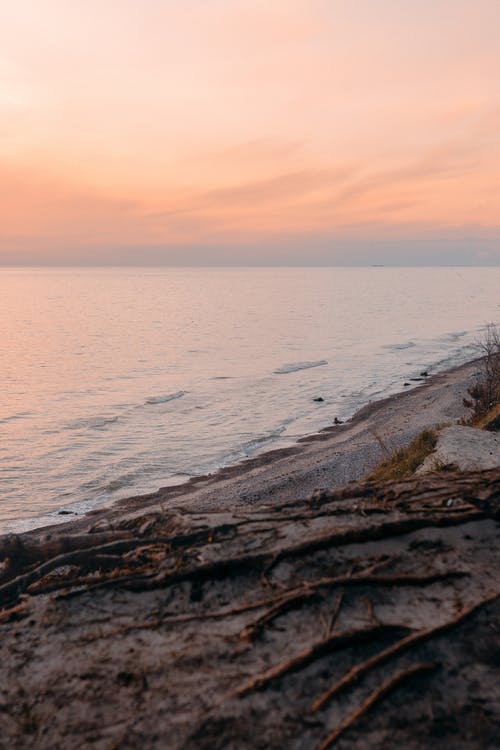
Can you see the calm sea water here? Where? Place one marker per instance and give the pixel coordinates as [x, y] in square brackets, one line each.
[119, 381]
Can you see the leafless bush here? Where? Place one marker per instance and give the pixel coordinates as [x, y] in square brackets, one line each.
[485, 394]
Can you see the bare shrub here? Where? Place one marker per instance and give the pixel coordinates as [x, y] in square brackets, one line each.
[485, 393]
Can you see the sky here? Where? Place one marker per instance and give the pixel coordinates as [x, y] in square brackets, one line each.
[243, 132]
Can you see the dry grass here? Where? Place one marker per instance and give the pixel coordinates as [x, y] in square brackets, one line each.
[485, 394]
[488, 421]
[403, 462]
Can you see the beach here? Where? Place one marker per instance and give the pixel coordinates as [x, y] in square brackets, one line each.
[328, 459]
[281, 602]
[178, 386]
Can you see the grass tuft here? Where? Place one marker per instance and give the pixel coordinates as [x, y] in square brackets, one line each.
[403, 462]
[488, 421]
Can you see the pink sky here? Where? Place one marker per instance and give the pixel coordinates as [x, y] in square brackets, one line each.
[249, 131]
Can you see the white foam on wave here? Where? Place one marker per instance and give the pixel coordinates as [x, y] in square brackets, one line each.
[164, 399]
[259, 440]
[296, 366]
[91, 423]
[401, 346]
[14, 417]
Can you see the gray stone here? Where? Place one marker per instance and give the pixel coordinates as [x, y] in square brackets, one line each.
[467, 448]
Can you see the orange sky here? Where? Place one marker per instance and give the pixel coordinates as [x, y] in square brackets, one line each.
[249, 131]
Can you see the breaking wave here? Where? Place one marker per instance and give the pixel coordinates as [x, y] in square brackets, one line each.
[296, 366]
[92, 423]
[399, 347]
[164, 399]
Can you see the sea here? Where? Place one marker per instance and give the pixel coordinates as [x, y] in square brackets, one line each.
[118, 381]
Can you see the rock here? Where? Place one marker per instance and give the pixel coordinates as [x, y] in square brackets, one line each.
[318, 398]
[406, 385]
[337, 421]
[424, 374]
[466, 448]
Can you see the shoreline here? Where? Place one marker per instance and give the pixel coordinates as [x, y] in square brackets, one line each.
[330, 458]
[208, 619]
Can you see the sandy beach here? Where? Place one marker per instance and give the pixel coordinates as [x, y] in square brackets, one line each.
[264, 607]
[329, 459]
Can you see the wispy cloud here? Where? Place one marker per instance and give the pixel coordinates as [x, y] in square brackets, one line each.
[245, 123]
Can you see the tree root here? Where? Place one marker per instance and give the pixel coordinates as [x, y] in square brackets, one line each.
[290, 602]
[181, 618]
[280, 604]
[18, 585]
[309, 591]
[262, 562]
[364, 579]
[357, 672]
[381, 692]
[372, 533]
[14, 613]
[311, 653]
[336, 612]
[83, 549]
[27, 551]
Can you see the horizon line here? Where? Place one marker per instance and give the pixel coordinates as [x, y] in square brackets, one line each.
[249, 265]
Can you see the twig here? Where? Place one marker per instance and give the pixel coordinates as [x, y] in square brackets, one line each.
[375, 697]
[371, 611]
[285, 605]
[336, 611]
[173, 619]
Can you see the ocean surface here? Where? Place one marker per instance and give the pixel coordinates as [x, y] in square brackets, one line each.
[117, 381]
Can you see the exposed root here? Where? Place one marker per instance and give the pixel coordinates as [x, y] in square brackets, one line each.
[317, 650]
[285, 605]
[385, 689]
[14, 613]
[371, 611]
[94, 557]
[357, 672]
[279, 604]
[372, 533]
[335, 563]
[11, 590]
[25, 550]
[181, 618]
[336, 612]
